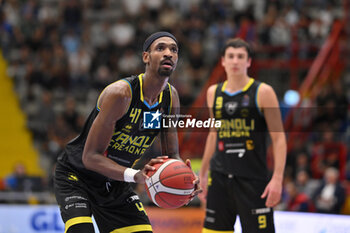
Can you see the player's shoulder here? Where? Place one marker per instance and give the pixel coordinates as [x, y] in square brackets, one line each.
[118, 88]
[265, 89]
[211, 90]
[211, 94]
[117, 93]
[266, 96]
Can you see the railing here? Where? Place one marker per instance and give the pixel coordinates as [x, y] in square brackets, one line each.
[327, 66]
[45, 197]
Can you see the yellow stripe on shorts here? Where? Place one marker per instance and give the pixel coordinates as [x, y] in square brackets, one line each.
[135, 228]
[77, 220]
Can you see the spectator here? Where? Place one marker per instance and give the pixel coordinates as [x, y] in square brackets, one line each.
[41, 120]
[72, 15]
[306, 185]
[70, 114]
[299, 147]
[122, 33]
[302, 164]
[6, 34]
[79, 66]
[19, 180]
[328, 153]
[330, 196]
[13, 181]
[296, 200]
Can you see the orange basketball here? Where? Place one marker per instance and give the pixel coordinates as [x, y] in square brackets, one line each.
[171, 184]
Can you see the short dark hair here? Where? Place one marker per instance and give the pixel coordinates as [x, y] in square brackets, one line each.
[237, 43]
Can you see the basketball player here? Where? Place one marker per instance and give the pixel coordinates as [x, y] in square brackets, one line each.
[94, 173]
[236, 152]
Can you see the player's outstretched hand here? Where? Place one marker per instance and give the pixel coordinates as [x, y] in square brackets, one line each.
[273, 193]
[204, 183]
[197, 187]
[142, 174]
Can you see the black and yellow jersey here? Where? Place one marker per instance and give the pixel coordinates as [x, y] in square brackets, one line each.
[130, 139]
[241, 139]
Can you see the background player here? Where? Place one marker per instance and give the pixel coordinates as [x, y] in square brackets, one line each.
[238, 181]
[93, 173]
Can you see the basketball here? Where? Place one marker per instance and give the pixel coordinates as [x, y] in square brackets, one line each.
[171, 184]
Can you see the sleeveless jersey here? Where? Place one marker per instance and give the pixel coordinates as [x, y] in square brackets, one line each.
[130, 139]
[241, 139]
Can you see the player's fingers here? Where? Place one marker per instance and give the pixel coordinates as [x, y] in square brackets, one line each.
[188, 163]
[155, 161]
[196, 192]
[196, 180]
[272, 199]
[268, 202]
[197, 189]
[148, 167]
[264, 193]
[203, 195]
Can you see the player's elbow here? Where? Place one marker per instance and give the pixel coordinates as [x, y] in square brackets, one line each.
[279, 140]
[87, 161]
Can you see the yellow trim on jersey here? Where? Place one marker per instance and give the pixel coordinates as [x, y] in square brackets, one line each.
[251, 80]
[98, 100]
[257, 99]
[216, 87]
[223, 86]
[136, 228]
[171, 98]
[160, 97]
[248, 84]
[205, 230]
[77, 220]
[128, 85]
[141, 92]
[140, 79]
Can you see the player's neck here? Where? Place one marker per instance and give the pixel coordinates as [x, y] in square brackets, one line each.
[236, 83]
[152, 87]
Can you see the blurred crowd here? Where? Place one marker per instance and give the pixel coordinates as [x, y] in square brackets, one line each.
[61, 54]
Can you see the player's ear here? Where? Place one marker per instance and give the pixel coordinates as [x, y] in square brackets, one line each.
[249, 62]
[223, 61]
[145, 57]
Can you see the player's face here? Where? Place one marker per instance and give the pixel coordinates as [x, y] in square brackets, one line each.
[162, 56]
[236, 61]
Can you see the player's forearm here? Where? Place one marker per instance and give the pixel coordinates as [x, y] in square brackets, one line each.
[170, 149]
[208, 153]
[169, 143]
[279, 153]
[104, 166]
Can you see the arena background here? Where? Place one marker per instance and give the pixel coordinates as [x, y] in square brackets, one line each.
[56, 56]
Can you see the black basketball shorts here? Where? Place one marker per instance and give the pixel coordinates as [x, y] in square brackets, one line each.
[229, 196]
[114, 205]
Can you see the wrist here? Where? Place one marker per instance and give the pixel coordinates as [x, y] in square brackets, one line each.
[278, 178]
[203, 173]
[129, 175]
